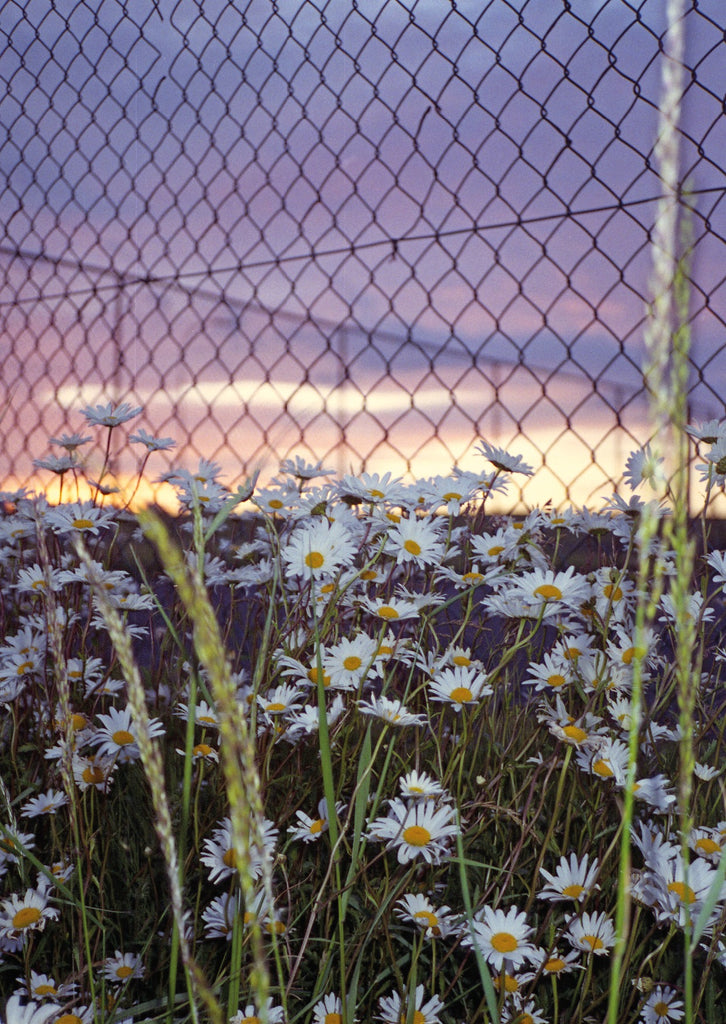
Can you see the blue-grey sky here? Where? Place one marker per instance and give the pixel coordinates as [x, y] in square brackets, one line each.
[252, 218]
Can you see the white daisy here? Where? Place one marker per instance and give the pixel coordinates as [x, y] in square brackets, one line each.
[501, 936]
[420, 830]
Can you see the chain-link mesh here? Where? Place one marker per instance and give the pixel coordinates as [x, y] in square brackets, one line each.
[368, 232]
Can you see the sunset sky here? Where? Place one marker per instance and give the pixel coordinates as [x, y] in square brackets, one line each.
[366, 234]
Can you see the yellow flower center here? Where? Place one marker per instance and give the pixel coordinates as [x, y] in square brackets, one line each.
[632, 652]
[452, 496]
[555, 680]
[393, 517]
[418, 1017]
[684, 892]
[275, 503]
[504, 942]
[327, 588]
[416, 835]
[510, 984]
[461, 660]
[554, 965]
[250, 1020]
[93, 775]
[352, 662]
[549, 592]
[23, 667]
[593, 941]
[574, 891]
[314, 559]
[613, 592]
[26, 918]
[68, 1018]
[386, 612]
[78, 721]
[426, 918]
[375, 493]
[38, 585]
[602, 768]
[472, 577]
[275, 707]
[278, 927]
[45, 990]
[332, 1018]
[82, 524]
[313, 676]
[707, 845]
[571, 653]
[368, 574]
[495, 549]
[206, 720]
[575, 733]
[124, 971]
[412, 547]
[202, 749]
[230, 858]
[661, 1010]
[317, 826]
[122, 737]
[461, 694]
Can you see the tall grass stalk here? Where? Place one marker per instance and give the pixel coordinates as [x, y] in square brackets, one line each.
[151, 760]
[237, 746]
[665, 373]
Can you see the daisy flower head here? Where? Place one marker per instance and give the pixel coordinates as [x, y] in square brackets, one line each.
[393, 712]
[304, 470]
[661, 1006]
[415, 541]
[587, 730]
[608, 760]
[42, 986]
[110, 415]
[501, 936]
[18, 1012]
[151, 443]
[121, 967]
[117, 735]
[391, 609]
[591, 933]
[218, 853]
[392, 1009]
[371, 488]
[545, 586]
[252, 1015]
[435, 922]
[329, 1010]
[503, 461]
[418, 785]
[644, 466]
[707, 843]
[573, 879]
[552, 673]
[20, 915]
[218, 917]
[348, 663]
[420, 830]
[318, 550]
[47, 803]
[710, 431]
[677, 890]
[459, 686]
[80, 517]
[309, 829]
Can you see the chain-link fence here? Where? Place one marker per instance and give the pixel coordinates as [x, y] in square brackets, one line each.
[366, 231]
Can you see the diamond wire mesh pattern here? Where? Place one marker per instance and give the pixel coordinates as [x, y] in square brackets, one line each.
[366, 232]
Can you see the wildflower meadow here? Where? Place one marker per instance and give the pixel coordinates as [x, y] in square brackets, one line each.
[355, 749]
